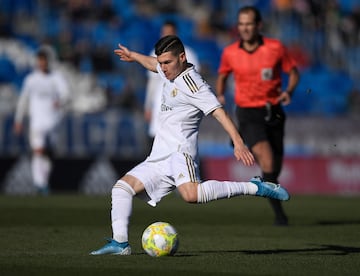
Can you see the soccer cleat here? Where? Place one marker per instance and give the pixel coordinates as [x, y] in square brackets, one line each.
[113, 248]
[270, 190]
[43, 191]
[281, 221]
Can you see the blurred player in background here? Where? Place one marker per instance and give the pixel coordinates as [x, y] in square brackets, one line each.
[256, 63]
[174, 162]
[155, 84]
[44, 96]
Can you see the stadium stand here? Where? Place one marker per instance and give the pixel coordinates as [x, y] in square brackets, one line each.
[324, 36]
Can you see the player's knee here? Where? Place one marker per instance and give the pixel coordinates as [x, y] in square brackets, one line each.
[133, 182]
[38, 151]
[188, 192]
[190, 197]
[121, 188]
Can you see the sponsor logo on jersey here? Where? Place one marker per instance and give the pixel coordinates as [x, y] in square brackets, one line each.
[165, 107]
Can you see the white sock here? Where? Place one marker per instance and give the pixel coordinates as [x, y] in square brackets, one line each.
[40, 167]
[213, 190]
[122, 196]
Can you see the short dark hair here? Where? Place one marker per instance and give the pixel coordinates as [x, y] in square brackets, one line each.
[169, 43]
[256, 12]
[42, 53]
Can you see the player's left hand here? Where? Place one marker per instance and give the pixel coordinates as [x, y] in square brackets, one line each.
[284, 98]
[56, 104]
[242, 153]
[124, 53]
[18, 128]
[221, 99]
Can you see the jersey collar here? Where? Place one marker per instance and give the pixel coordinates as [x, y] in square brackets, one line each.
[260, 40]
[190, 66]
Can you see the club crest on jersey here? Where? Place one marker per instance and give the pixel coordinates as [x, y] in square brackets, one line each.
[174, 92]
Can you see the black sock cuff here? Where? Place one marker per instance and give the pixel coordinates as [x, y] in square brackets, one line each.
[270, 177]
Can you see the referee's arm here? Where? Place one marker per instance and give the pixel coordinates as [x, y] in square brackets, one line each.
[221, 86]
[285, 96]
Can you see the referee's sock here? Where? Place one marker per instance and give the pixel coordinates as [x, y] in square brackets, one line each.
[280, 216]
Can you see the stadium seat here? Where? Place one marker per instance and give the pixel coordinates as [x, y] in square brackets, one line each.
[114, 82]
[321, 91]
[208, 53]
[348, 5]
[7, 70]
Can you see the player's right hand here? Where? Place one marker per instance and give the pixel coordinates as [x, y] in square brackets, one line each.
[147, 115]
[124, 53]
[18, 128]
[221, 99]
[242, 153]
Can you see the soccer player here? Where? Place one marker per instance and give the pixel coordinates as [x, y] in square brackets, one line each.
[257, 63]
[173, 162]
[155, 83]
[44, 95]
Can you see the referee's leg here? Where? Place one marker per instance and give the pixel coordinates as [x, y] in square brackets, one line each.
[269, 165]
[276, 139]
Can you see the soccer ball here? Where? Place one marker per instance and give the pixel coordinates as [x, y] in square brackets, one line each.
[160, 239]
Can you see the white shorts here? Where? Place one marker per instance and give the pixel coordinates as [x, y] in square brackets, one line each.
[41, 138]
[161, 177]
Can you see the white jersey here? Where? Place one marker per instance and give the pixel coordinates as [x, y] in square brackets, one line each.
[44, 96]
[154, 90]
[184, 103]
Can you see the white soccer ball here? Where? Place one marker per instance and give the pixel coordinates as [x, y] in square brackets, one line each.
[160, 239]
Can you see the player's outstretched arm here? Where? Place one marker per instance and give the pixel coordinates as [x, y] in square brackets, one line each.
[241, 152]
[125, 54]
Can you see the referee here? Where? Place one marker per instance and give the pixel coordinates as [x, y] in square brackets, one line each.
[257, 63]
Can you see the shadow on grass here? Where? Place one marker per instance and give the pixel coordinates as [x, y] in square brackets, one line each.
[324, 249]
[338, 222]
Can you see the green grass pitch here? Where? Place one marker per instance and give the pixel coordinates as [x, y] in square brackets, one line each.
[54, 235]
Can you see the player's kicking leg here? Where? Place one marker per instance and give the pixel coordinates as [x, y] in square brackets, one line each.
[214, 190]
[270, 190]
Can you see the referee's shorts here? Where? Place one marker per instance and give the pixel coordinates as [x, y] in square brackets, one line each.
[262, 124]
